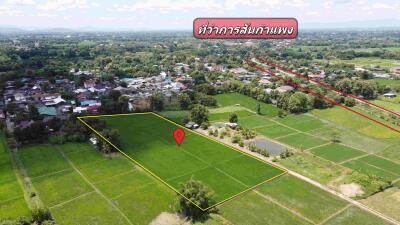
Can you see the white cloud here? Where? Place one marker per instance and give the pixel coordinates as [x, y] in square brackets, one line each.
[382, 6]
[6, 10]
[297, 3]
[168, 5]
[61, 5]
[259, 4]
[19, 2]
[313, 13]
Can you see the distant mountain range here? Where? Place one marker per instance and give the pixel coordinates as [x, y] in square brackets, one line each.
[371, 24]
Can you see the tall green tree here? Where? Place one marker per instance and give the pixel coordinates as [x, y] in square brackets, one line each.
[199, 114]
[157, 101]
[184, 100]
[199, 196]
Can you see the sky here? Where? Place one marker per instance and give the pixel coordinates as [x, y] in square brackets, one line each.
[179, 14]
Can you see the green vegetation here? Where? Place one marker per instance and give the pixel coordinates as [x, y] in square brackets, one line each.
[368, 61]
[302, 141]
[12, 202]
[121, 187]
[274, 131]
[197, 157]
[230, 99]
[366, 168]
[354, 215]
[252, 208]
[336, 152]
[310, 201]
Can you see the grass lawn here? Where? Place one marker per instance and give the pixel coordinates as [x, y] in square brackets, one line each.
[354, 122]
[69, 181]
[251, 208]
[310, 201]
[230, 99]
[387, 202]
[313, 167]
[176, 116]
[143, 205]
[302, 141]
[352, 138]
[255, 121]
[388, 105]
[382, 163]
[89, 209]
[224, 116]
[36, 160]
[275, 131]
[336, 152]
[148, 139]
[367, 168]
[387, 82]
[307, 125]
[354, 215]
[368, 61]
[392, 153]
[78, 203]
[12, 202]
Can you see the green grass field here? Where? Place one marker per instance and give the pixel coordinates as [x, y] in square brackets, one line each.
[148, 139]
[367, 168]
[254, 209]
[310, 201]
[275, 131]
[12, 202]
[302, 141]
[368, 61]
[230, 99]
[354, 215]
[336, 152]
[112, 187]
[387, 82]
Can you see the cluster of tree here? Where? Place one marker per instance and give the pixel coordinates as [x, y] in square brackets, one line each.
[369, 89]
[40, 216]
[54, 130]
[199, 114]
[114, 103]
[111, 135]
[197, 196]
[190, 98]
[21, 114]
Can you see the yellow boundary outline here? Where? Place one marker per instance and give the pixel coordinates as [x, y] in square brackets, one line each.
[80, 118]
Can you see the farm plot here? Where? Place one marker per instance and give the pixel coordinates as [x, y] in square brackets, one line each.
[224, 116]
[354, 215]
[302, 141]
[86, 178]
[368, 168]
[336, 152]
[308, 200]
[12, 202]
[147, 139]
[230, 99]
[274, 131]
[302, 123]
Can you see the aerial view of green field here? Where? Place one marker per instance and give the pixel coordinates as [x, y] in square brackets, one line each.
[199, 112]
[213, 163]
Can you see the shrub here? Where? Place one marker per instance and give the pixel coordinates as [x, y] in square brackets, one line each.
[205, 125]
[41, 214]
[350, 102]
[241, 144]
[236, 138]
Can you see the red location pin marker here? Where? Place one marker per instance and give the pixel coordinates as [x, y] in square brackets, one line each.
[179, 134]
